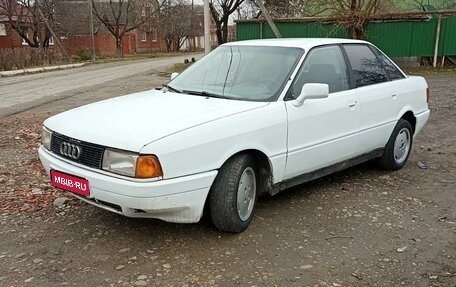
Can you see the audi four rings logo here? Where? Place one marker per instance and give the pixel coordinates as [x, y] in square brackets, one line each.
[70, 150]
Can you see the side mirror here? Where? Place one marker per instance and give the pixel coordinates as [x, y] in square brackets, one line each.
[311, 92]
[173, 75]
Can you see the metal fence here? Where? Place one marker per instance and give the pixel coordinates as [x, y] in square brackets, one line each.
[399, 38]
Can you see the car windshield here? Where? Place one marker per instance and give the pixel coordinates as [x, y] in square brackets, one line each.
[248, 73]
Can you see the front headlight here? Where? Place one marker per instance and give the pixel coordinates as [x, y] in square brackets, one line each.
[46, 138]
[131, 164]
[119, 162]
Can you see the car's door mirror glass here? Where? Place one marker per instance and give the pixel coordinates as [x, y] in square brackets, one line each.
[312, 91]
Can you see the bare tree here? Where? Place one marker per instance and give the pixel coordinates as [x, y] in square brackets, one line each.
[286, 9]
[449, 4]
[23, 16]
[123, 16]
[176, 23]
[291, 9]
[418, 5]
[424, 5]
[352, 14]
[248, 10]
[221, 11]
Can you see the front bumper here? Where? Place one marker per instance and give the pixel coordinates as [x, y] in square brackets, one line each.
[179, 200]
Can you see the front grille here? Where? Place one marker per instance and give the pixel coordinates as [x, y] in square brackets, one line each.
[91, 154]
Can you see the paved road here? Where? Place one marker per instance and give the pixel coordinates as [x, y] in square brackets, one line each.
[24, 92]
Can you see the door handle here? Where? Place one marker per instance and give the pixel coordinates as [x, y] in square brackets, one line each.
[394, 96]
[352, 104]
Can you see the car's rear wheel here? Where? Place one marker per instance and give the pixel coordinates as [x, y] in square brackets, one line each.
[233, 195]
[398, 148]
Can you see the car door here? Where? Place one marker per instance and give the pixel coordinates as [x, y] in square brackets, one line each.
[378, 96]
[321, 132]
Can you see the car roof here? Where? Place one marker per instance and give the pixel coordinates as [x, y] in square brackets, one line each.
[303, 43]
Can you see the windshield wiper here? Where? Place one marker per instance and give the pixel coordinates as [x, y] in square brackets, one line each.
[171, 89]
[205, 94]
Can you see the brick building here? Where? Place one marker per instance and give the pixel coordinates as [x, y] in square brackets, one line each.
[9, 38]
[75, 34]
[20, 17]
[72, 27]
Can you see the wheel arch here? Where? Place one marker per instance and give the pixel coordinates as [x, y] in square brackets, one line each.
[410, 117]
[265, 168]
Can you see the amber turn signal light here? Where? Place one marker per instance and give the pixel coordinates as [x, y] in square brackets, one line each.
[148, 166]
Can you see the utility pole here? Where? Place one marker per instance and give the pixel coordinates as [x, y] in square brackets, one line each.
[53, 34]
[207, 27]
[193, 26]
[92, 39]
[437, 39]
[269, 19]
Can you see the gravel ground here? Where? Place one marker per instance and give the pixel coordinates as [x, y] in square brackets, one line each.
[359, 227]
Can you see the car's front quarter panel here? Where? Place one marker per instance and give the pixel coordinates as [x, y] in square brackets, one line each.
[206, 147]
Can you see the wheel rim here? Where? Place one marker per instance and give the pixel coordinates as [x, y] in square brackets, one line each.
[246, 193]
[402, 145]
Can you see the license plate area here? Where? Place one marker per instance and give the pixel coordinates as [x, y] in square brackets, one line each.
[70, 183]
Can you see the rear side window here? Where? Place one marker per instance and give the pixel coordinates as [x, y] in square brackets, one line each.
[367, 68]
[393, 72]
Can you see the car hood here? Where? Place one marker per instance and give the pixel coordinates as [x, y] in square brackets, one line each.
[133, 121]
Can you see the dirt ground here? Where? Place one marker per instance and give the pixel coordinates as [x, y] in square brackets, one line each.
[359, 227]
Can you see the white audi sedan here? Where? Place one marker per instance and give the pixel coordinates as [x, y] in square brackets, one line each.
[250, 118]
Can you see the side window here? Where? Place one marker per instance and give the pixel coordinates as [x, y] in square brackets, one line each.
[366, 67]
[393, 72]
[325, 65]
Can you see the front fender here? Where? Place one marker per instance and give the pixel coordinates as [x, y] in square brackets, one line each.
[208, 146]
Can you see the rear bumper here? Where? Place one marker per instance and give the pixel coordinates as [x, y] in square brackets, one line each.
[421, 120]
[178, 200]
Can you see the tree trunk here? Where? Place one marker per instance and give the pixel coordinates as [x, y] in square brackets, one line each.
[353, 5]
[225, 31]
[353, 21]
[119, 46]
[351, 32]
[360, 35]
[168, 42]
[356, 32]
[219, 33]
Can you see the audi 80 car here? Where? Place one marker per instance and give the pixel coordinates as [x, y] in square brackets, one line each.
[250, 118]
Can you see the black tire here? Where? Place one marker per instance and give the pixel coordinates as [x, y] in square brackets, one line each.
[223, 196]
[389, 161]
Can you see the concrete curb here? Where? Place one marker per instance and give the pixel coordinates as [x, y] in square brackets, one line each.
[39, 70]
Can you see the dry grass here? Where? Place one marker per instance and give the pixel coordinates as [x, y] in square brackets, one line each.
[26, 58]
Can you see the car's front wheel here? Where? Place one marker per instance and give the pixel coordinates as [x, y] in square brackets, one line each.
[398, 148]
[233, 195]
